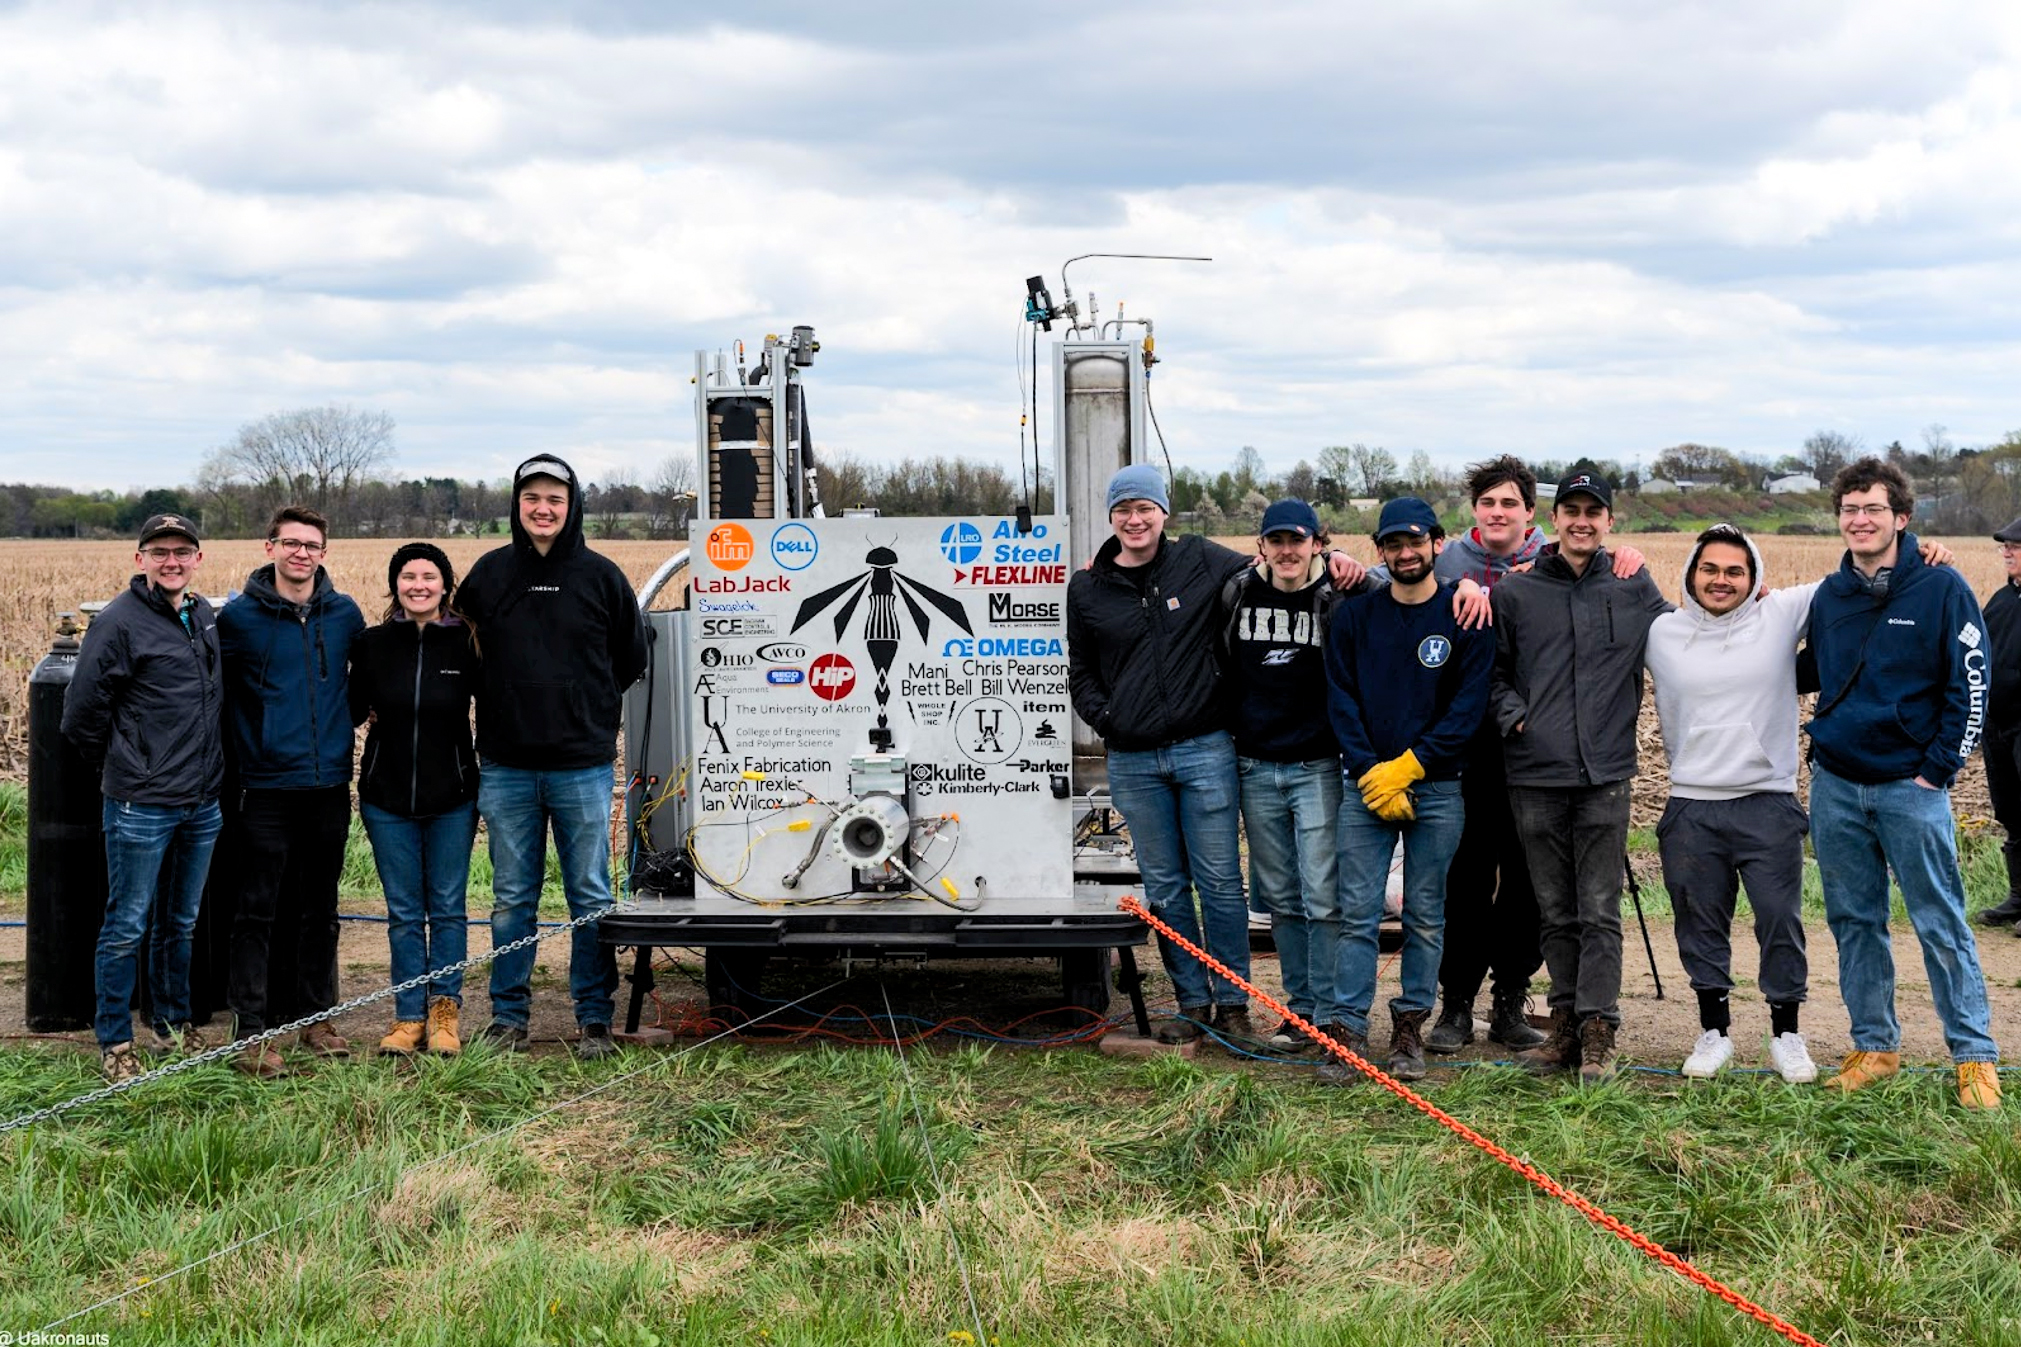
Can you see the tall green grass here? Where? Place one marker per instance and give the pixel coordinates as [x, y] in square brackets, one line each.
[782, 1196]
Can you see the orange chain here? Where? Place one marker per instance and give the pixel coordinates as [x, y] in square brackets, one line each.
[1612, 1225]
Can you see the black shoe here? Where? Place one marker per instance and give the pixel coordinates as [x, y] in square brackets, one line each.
[1511, 1026]
[1288, 1037]
[1454, 1030]
[2006, 914]
[1185, 1026]
[596, 1041]
[503, 1037]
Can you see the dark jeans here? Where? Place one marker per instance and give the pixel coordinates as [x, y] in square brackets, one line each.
[293, 854]
[1709, 848]
[2003, 783]
[1491, 907]
[1577, 840]
[156, 858]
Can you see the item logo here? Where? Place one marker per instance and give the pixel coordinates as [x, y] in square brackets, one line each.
[794, 547]
[1434, 651]
[784, 677]
[961, 542]
[729, 547]
[832, 677]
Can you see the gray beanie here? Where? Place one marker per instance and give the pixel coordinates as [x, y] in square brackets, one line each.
[1139, 481]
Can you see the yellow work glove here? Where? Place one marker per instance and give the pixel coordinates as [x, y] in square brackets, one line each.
[1396, 809]
[1386, 779]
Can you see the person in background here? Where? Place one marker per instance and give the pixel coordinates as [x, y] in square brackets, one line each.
[413, 677]
[2003, 726]
[561, 638]
[1901, 653]
[287, 650]
[1407, 685]
[143, 706]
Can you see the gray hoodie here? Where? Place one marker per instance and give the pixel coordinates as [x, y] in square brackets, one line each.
[1726, 690]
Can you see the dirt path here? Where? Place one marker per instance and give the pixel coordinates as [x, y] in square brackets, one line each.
[996, 992]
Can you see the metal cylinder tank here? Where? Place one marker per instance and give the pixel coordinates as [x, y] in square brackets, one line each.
[66, 856]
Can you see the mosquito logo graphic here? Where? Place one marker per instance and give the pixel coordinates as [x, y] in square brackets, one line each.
[882, 627]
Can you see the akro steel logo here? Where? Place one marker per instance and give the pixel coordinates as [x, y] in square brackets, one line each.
[729, 547]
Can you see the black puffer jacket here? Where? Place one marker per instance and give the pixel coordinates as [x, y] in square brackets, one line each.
[2003, 624]
[1143, 662]
[417, 684]
[145, 700]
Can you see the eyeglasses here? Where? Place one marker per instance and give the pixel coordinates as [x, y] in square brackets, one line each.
[1141, 510]
[1879, 510]
[160, 554]
[300, 545]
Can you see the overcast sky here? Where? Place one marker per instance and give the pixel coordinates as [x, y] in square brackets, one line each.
[1550, 227]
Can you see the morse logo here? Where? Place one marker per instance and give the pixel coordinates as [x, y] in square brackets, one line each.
[1006, 609]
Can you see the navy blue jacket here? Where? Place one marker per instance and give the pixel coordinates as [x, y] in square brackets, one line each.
[1405, 677]
[1903, 678]
[287, 690]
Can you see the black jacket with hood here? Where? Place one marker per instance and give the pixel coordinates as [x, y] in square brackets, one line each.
[561, 638]
[145, 700]
[1143, 661]
[287, 667]
[417, 683]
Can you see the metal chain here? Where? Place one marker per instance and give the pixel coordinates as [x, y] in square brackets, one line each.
[226, 1050]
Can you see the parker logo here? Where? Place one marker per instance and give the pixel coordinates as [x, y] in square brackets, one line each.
[729, 547]
[832, 677]
[1007, 611]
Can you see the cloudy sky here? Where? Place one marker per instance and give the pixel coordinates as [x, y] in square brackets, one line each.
[1552, 227]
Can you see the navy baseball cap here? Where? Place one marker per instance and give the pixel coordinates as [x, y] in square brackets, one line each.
[1406, 514]
[1584, 483]
[1289, 516]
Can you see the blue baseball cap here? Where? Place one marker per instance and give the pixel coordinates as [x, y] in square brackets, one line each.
[1289, 516]
[1139, 481]
[1406, 514]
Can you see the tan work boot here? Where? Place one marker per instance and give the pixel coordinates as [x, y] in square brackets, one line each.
[324, 1041]
[1596, 1051]
[260, 1061]
[1978, 1085]
[404, 1038]
[444, 1035]
[1861, 1069]
[1559, 1052]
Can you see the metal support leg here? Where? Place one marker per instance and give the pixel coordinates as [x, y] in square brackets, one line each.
[641, 978]
[1133, 985]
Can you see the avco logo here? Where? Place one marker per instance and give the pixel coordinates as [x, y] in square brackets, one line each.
[729, 547]
[961, 542]
[831, 677]
[794, 547]
[786, 678]
[782, 652]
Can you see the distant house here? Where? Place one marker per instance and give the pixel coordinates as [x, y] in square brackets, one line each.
[1658, 486]
[1796, 481]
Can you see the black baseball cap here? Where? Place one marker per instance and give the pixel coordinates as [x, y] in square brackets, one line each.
[2010, 533]
[1586, 483]
[161, 525]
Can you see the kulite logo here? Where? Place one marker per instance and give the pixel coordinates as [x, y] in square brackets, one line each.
[831, 677]
[729, 547]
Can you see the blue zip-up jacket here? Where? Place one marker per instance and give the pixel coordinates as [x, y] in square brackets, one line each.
[1903, 678]
[287, 690]
[1405, 676]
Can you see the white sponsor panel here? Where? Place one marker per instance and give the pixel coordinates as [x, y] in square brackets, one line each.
[949, 635]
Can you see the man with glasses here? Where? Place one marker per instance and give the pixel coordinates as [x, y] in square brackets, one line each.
[143, 706]
[2003, 730]
[1901, 651]
[287, 650]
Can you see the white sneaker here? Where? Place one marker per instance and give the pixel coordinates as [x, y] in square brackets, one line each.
[1713, 1052]
[1792, 1059]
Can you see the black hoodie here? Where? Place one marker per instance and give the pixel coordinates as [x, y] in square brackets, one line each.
[560, 637]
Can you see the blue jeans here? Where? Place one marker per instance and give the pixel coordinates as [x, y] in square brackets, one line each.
[1288, 812]
[1861, 832]
[424, 868]
[156, 860]
[1366, 845]
[1181, 803]
[518, 805]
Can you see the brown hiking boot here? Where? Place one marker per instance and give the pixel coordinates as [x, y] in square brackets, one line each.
[1185, 1026]
[1978, 1085]
[444, 1034]
[1232, 1024]
[324, 1041]
[1596, 1051]
[405, 1038]
[1407, 1045]
[1559, 1052]
[1333, 1071]
[1861, 1069]
[261, 1061]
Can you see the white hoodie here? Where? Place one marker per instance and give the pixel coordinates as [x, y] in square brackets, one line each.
[1726, 690]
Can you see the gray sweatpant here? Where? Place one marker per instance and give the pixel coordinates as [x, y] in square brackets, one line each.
[1710, 848]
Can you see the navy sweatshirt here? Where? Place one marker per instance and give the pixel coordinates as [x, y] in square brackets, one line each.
[1277, 656]
[1405, 676]
[1903, 677]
